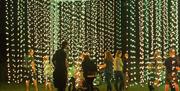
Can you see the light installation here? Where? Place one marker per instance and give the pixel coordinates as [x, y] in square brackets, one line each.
[42, 25]
[94, 26]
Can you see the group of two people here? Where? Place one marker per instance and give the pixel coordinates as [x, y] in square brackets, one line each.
[30, 69]
[157, 67]
[119, 66]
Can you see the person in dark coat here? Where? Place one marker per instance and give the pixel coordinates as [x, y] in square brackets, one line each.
[60, 65]
[89, 70]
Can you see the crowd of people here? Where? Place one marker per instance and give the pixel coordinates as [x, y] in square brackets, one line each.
[56, 73]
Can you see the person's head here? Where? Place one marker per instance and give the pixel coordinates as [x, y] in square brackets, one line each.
[157, 53]
[31, 52]
[108, 55]
[86, 57]
[172, 52]
[64, 44]
[126, 55]
[81, 56]
[45, 58]
[118, 53]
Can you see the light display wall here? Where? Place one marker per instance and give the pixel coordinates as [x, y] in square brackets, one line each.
[43, 25]
[158, 30]
[138, 27]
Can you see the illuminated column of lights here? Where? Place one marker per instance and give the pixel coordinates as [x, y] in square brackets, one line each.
[54, 27]
[106, 32]
[101, 21]
[165, 28]
[12, 33]
[118, 24]
[15, 21]
[81, 34]
[75, 29]
[141, 38]
[158, 40]
[7, 39]
[151, 24]
[173, 24]
[71, 32]
[21, 23]
[146, 36]
[66, 26]
[158, 37]
[109, 25]
[132, 43]
[9, 30]
[44, 31]
[38, 25]
[88, 26]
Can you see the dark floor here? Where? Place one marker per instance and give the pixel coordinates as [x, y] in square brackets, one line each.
[21, 87]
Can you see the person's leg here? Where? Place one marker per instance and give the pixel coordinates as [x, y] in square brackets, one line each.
[27, 85]
[35, 85]
[121, 85]
[49, 86]
[108, 82]
[116, 81]
[73, 83]
[45, 85]
[176, 86]
[61, 89]
[91, 83]
[166, 87]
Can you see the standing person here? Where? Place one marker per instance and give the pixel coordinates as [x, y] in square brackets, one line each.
[118, 71]
[108, 69]
[60, 65]
[171, 65]
[48, 72]
[155, 71]
[126, 69]
[89, 70]
[78, 71]
[30, 68]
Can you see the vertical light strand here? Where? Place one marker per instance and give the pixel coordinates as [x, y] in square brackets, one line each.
[101, 29]
[165, 28]
[118, 25]
[173, 24]
[146, 37]
[158, 39]
[21, 23]
[54, 27]
[151, 23]
[8, 40]
[141, 38]
[132, 43]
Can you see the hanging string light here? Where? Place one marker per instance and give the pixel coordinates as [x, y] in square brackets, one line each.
[131, 42]
[141, 38]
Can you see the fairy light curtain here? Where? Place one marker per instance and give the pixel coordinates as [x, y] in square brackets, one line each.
[138, 27]
[42, 25]
[158, 29]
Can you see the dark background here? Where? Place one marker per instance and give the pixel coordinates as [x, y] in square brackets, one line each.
[3, 70]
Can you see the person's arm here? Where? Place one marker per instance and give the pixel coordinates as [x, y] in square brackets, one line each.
[33, 64]
[54, 58]
[102, 66]
[178, 68]
[121, 63]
